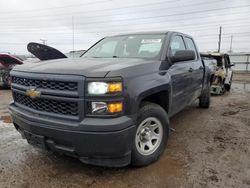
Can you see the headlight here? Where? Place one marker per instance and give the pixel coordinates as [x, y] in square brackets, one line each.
[98, 88]
[106, 108]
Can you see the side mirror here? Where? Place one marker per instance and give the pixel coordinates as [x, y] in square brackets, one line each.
[231, 65]
[183, 55]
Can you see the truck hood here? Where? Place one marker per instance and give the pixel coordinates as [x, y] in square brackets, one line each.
[90, 67]
[44, 52]
[8, 61]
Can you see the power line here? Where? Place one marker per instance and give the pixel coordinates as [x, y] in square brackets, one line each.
[53, 8]
[78, 5]
[156, 22]
[122, 8]
[201, 27]
[142, 24]
[163, 16]
[224, 35]
[170, 15]
[207, 35]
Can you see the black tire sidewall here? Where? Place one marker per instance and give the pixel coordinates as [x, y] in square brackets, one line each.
[204, 100]
[150, 110]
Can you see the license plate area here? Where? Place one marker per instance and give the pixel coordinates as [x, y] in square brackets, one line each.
[35, 140]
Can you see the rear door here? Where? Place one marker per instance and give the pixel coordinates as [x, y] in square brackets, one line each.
[181, 76]
[198, 70]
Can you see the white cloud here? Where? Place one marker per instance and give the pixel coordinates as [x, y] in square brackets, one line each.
[32, 20]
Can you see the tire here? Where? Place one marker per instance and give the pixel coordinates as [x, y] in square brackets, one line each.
[223, 89]
[228, 86]
[204, 100]
[152, 122]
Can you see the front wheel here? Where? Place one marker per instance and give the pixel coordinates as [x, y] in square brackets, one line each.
[151, 135]
[228, 86]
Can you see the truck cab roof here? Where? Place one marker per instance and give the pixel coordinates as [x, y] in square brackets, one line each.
[151, 32]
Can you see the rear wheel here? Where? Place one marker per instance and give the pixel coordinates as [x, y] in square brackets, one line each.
[204, 100]
[151, 135]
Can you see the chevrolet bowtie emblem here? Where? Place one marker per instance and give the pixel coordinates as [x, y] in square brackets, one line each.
[32, 93]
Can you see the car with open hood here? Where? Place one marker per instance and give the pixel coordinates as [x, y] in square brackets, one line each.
[7, 62]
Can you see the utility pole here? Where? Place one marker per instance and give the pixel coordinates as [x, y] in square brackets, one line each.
[73, 37]
[44, 41]
[219, 43]
[231, 44]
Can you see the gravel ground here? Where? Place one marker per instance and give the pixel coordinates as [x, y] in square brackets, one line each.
[209, 148]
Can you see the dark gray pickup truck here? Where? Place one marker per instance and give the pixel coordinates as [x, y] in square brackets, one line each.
[111, 107]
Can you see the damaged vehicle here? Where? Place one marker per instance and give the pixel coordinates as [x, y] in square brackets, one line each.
[40, 51]
[112, 106]
[222, 79]
[44, 52]
[7, 62]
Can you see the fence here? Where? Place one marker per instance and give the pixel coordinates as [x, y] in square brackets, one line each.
[241, 61]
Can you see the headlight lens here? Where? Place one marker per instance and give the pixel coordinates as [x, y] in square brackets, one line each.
[106, 108]
[98, 88]
[99, 107]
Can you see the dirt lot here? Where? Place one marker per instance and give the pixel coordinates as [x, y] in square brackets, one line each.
[209, 148]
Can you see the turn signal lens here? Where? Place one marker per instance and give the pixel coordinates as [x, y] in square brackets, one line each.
[115, 107]
[115, 87]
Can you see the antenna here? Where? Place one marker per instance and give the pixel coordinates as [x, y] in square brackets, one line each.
[73, 37]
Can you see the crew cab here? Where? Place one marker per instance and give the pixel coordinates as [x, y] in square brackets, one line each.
[110, 107]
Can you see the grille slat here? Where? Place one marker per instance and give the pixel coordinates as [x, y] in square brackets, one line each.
[46, 84]
[47, 105]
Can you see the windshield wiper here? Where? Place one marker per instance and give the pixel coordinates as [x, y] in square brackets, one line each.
[101, 57]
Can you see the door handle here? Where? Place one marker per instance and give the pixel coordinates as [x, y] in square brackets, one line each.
[190, 69]
[201, 67]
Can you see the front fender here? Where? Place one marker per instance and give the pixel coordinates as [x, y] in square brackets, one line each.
[138, 88]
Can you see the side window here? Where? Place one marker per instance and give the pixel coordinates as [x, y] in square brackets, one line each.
[176, 44]
[190, 45]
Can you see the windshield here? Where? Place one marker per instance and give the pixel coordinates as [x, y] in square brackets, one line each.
[130, 46]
